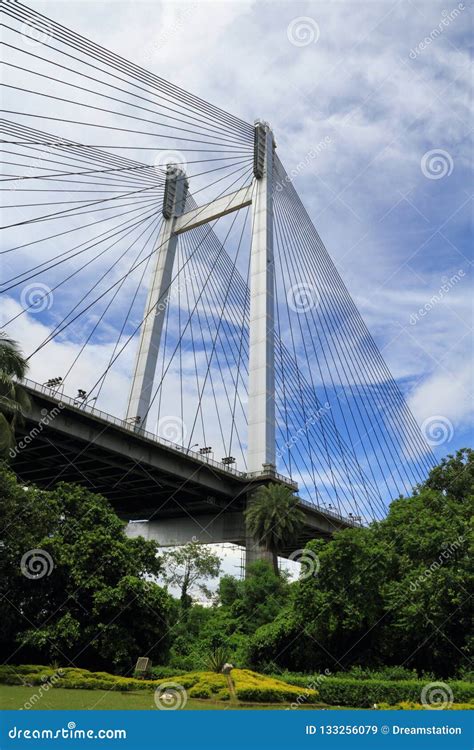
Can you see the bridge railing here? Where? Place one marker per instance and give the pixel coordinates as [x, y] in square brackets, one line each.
[350, 520]
[123, 424]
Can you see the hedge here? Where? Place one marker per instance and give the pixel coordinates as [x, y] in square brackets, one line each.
[69, 677]
[256, 688]
[364, 693]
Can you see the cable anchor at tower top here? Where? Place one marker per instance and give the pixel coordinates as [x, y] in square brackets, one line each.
[176, 191]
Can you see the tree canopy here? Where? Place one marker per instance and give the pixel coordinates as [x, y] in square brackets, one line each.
[397, 592]
[14, 400]
[74, 587]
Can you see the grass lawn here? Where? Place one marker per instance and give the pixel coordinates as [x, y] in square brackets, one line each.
[14, 697]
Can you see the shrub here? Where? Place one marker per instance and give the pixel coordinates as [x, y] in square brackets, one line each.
[158, 673]
[253, 687]
[216, 658]
[339, 691]
[301, 680]
[200, 691]
[222, 695]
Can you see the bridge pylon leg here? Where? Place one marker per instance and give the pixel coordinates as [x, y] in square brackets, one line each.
[255, 552]
[261, 390]
[158, 298]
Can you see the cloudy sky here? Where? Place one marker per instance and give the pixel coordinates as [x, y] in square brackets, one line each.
[383, 86]
[380, 92]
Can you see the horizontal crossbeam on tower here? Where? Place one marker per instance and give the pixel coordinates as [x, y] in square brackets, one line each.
[200, 215]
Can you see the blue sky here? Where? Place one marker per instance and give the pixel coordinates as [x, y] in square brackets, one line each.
[389, 189]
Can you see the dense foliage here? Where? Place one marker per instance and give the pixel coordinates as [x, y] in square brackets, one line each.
[394, 593]
[392, 598]
[73, 587]
[14, 400]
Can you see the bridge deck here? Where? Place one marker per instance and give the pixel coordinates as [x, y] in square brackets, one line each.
[142, 475]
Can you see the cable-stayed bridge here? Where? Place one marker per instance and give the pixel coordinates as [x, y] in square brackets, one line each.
[188, 334]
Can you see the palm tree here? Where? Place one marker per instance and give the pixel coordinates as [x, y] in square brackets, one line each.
[14, 400]
[273, 518]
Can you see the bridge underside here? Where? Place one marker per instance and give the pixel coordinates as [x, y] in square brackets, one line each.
[176, 496]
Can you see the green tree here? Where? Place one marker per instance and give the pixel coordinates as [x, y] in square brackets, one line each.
[14, 401]
[428, 595]
[75, 587]
[273, 518]
[255, 600]
[188, 567]
[396, 592]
